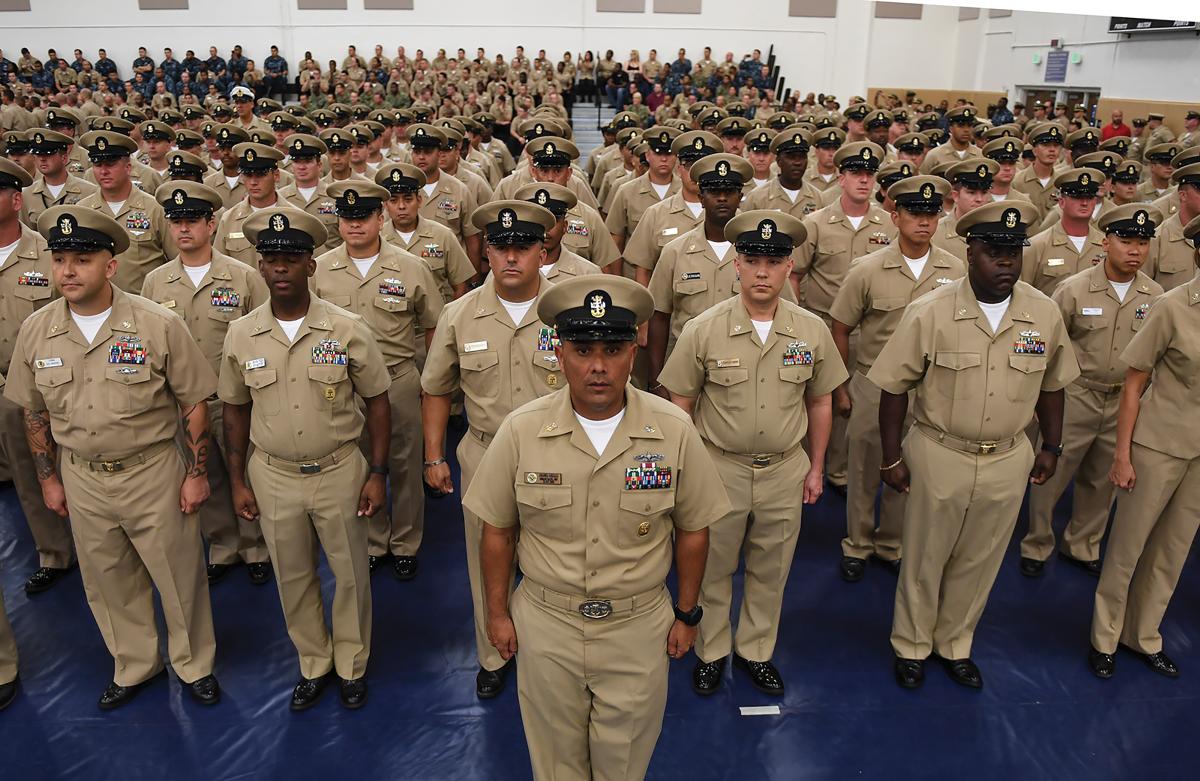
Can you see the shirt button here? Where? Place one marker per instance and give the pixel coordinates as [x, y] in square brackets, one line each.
[595, 539]
[518, 390]
[595, 503]
[295, 406]
[593, 572]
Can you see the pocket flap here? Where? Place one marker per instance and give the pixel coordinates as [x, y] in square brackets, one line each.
[31, 292]
[957, 361]
[391, 304]
[127, 375]
[477, 362]
[546, 360]
[52, 378]
[648, 501]
[328, 374]
[888, 304]
[259, 378]
[543, 497]
[727, 377]
[688, 287]
[1029, 364]
[796, 374]
[223, 315]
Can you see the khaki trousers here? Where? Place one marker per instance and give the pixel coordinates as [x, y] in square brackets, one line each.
[1089, 441]
[8, 648]
[400, 529]
[230, 538]
[51, 534]
[301, 515]
[961, 512]
[1147, 547]
[763, 526]
[592, 692]
[470, 453]
[837, 453]
[864, 457]
[130, 534]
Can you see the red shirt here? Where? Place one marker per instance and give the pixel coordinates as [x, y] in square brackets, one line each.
[1111, 131]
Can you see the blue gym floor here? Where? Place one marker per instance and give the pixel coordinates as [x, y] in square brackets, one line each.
[1041, 714]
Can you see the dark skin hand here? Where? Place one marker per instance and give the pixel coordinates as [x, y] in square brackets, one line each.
[892, 409]
[1050, 417]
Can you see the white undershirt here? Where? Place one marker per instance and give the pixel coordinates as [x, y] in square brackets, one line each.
[720, 248]
[1096, 210]
[89, 325]
[997, 197]
[827, 177]
[116, 207]
[760, 182]
[6, 251]
[429, 188]
[517, 310]
[1045, 181]
[995, 312]
[791, 194]
[196, 273]
[1078, 242]
[290, 327]
[232, 180]
[55, 189]
[916, 265]
[855, 221]
[306, 192]
[600, 431]
[661, 189]
[694, 208]
[763, 327]
[1121, 288]
[364, 264]
[407, 237]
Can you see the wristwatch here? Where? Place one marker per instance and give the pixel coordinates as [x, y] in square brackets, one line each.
[691, 617]
[1055, 449]
[379, 470]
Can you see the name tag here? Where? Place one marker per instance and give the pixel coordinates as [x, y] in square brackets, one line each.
[670, 231]
[474, 347]
[237, 235]
[1092, 311]
[729, 363]
[255, 363]
[169, 303]
[47, 363]
[1056, 262]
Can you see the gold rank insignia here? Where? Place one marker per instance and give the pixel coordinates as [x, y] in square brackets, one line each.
[698, 144]
[722, 168]
[250, 155]
[507, 216]
[176, 161]
[866, 153]
[1010, 147]
[927, 191]
[396, 175]
[330, 392]
[1010, 218]
[179, 197]
[1085, 180]
[279, 223]
[351, 197]
[1108, 161]
[101, 144]
[766, 229]
[297, 145]
[336, 139]
[552, 380]
[1140, 218]
[906, 170]
[548, 149]
[38, 138]
[66, 225]
[598, 307]
[643, 528]
[541, 197]
[981, 171]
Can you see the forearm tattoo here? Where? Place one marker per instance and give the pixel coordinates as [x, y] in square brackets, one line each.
[196, 441]
[41, 443]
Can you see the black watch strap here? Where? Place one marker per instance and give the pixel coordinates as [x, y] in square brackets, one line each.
[379, 470]
[1055, 449]
[691, 617]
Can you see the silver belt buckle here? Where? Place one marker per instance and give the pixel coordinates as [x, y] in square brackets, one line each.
[596, 608]
[310, 469]
[987, 448]
[759, 462]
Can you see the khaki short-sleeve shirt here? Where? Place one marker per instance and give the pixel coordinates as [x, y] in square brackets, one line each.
[1172, 258]
[321, 205]
[439, 249]
[661, 224]
[451, 203]
[587, 236]
[969, 382]
[878, 288]
[1051, 257]
[26, 285]
[118, 395]
[631, 202]
[304, 391]
[150, 242]
[228, 290]
[833, 243]
[569, 265]
[750, 395]
[772, 196]
[1168, 344]
[597, 526]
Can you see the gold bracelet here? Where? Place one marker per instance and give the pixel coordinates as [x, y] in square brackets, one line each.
[898, 462]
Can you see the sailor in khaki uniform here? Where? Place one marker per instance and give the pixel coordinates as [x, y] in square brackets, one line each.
[1074, 243]
[134, 209]
[292, 376]
[489, 344]
[56, 186]
[258, 167]
[877, 289]
[394, 292]
[971, 183]
[983, 354]
[445, 199]
[209, 291]
[1157, 463]
[1037, 181]
[788, 192]
[839, 234]
[1103, 308]
[1159, 164]
[605, 484]
[226, 181]
[825, 141]
[560, 262]
[1172, 259]
[696, 270]
[959, 147]
[755, 373]
[634, 197]
[25, 286]
[428, 239]
[309, 192]
[119, 465]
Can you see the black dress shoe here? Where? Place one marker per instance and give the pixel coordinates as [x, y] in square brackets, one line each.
[307, 692]
[910, 673]
[206, 691]
[763, 675]
[1103, 665]
[891, 565]
[1090, 567]
[260, 572]
[706, 676]
[853, 569]
[1159, 663]
[838, 488]
[373, 562]
[405, 567]
[115, 695]
[963, 672]
[44, 578]
[354, 693]
[8, 691]
[490, 683]
[217, 572]
[1032, 568]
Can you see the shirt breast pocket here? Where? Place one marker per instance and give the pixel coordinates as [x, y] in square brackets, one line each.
[794, 381]
[395, 313]
[55, 387]
[262, 393]
[886, 305]
[130, 391]
[332, 386]
[223, 314]
[729, 389]
[36, 295]
[345, 302]
[828, 251]
[238, 246]
[480, 376]
[1056, 269]
[689, 294]
[545, 510]
[645, 517]
[953, 376]
[1025, 376]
